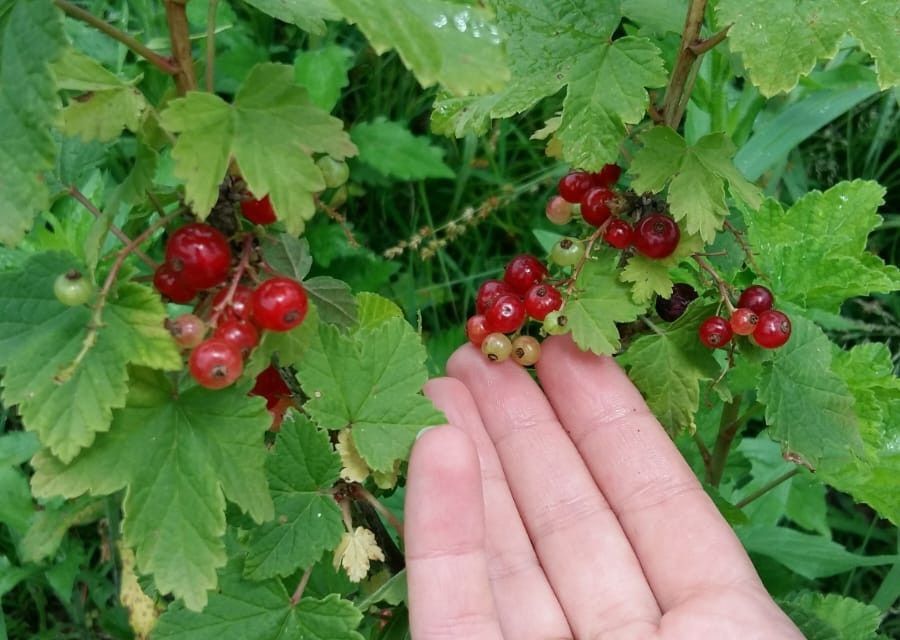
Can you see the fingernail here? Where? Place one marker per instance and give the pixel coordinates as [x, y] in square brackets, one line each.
[422, 432]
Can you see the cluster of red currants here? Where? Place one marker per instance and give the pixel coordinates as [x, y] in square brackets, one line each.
[199, 259]
[504, 306]
[594, 196]
[754, 316]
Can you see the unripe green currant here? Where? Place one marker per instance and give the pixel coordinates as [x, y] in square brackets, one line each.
[567, 252]
[334, 171]
[72, 288]
[556, 324]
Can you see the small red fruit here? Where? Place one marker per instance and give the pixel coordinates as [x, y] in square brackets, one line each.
[507, 315]
[618, 234]
[656, 236]
[258, 211]
[574, 185]
[558, 210]
[477, 329]
[200, 255]
[488, 293]
[239, 308]
[238, 333]
[187, 329]
[772, 330]
[595, 206]
[607, 176]
[270, 385]
[541, 299]
[523, 272]
[279, 304]
[743, 321]
[170, 284]
[756, 298]
[715, 332]
[215, 364]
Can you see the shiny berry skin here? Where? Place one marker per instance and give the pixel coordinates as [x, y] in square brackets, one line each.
[574, 185]
[215, 364]
[756, 298]
[496, 347]
[334, 171]
[170, 284]
[743, 321]
[523, 272]
[238, 333]
[507, 314]
[72, 288]
[541, 299]
[715, 332]
[558, 210]
[526, 351]
[673, 307]
[240, 307]
[772, 330]
[656, 236]
[607, 176]
[555, 324]
[200, 255]
[488, 293]
[271, 386]
[567, 252]
[595, 206]
[618, 234]
[477, 329]
[279, 304]
[258, 211]
[187, 329]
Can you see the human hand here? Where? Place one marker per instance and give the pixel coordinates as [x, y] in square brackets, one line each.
[567, 513]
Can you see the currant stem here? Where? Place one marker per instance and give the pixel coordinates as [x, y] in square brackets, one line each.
[720, 283]
[211, 46]
[301, 587]
[701, 47]
[340, 218]
[728, 429]
[360, 491]
[246, 252]
[684, 72]
[176, 17]
[588, 248]
[705, 454]
[763, 490]
[160, 62]
[748, 253]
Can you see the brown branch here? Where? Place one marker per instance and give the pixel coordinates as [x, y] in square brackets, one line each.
[763, 490]
[729, 425]
[160, 62]
[361, 492]
[683, 73]
[341, 219]
[301, 587]
[748, 253]
[701, 47]
[176, 16]
[720, 283]
[116, 231]
[704, 453]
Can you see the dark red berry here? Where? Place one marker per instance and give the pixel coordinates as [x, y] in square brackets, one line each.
[279, 304]
[258, 211]
[756, 298]
[573, 186]
[238, 333]
[477, 329]
[488, 293]
[541, 299]
[200, 255]
[673, 307]
[215, 364]
[595, 205]
[187, 329]
[170, 284]
[271, 386]
[523, 272]
[607, 176]
[656, 236]
[618, 234]
[239, 308]
[772, 330]
[715, 332]
[743, 321]
[507, 315]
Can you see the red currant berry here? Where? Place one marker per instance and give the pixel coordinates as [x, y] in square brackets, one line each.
[239, 308]
[507, 315]
[200, 255]
[523, 272]
[526, 351]
[558, 210]
[656, 236]
[607, 176]
[573, 186]
[673, 307]
[618, 234]
[187, 329]
[279, 304]
[488, 293]
[743, 321]
[170, 284]
[541, 299]
[258, 211]
[477, 329]
[238, 333]
[271, 386]
[772, 330]
[715, 332]
[756, 298]
[595, 206]
[215, 364]
[497, 347]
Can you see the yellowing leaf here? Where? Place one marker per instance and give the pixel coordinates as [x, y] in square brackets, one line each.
[142, 613]
[354, 468]
[354, 553]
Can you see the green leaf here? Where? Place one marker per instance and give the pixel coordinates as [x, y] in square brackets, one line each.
[808, 408]
[179, 455]
[439, 41]
[270, 130]
[599, 303]
[288, 255]
[656, 16]
[651, 277]
[668, 368]
[11, 575]
[831, 616]
[40, 338]
[333, 300]
[17, 447]
[375, 310]
[323, 73]
[696, 176]
[832, 226]
[309, 15]
[50, 525]
[369, 381]
[394, 152]
[308, 521]
[394, 591]
[31, 37]
[16, 506]
[287, 347]
[606, 93]
[782, 41]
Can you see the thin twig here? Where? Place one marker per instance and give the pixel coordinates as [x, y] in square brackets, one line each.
[162, 63]
[341, 219]
[748, 252]
[116, 231]
[704, 453]
[720, 283]
[763, 490]
[246, 252]
[701, 47]
[361, 492]
[176, 16]
[211, 45]
[683, 73]
[579, 266]
[729, 425]
[301, 587]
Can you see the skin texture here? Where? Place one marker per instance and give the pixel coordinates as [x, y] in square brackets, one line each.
[567, 512]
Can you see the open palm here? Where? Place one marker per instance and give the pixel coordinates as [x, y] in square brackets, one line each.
[567, 512]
